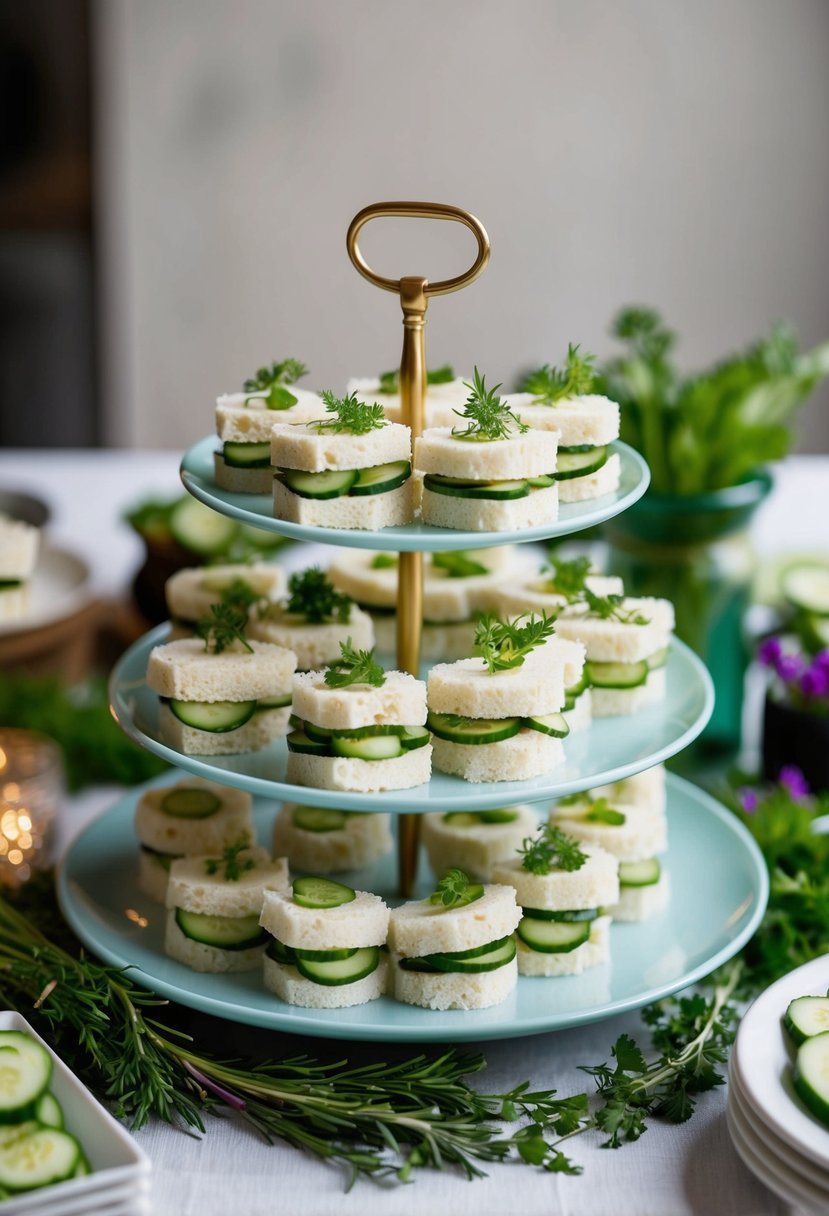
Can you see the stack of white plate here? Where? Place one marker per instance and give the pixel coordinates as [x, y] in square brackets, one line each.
[784, 1145]
[119, 1184]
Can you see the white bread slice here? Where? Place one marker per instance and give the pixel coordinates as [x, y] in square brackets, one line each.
[592, 485]
[241, 481]
[646, 789]
[595, 885]
[193, 888]
[260, 730]
[612, 641]
[14, 602]
[363, 922]
[369, 512]
[361, 776]
[536, 687]
[641, 903]
[453, 990]
[169, 834]
[594, 952]
[590, 419]
[527, 754]
[401, 698]
[362, 841]
[488, 514]
[292, 988]
[454, 640]
[242, 419]
[477, 847]
[314, 645]
[524, 454]
[305, 446]
[185, 671]
[535, 596]
[19, 544]
[200, 957]
[613, 702]
[421, 927]
[191, 592]
[642, 835]
[581, 715]
[152, 876]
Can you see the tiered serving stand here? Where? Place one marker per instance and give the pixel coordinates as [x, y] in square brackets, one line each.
[717, 875]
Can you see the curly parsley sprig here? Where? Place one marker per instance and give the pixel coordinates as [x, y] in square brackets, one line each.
[505, 644]
[350, 415]
[272, 381]
[355, 667]
[313, 596]
[551, 849]
[550, 384]
[487, 415]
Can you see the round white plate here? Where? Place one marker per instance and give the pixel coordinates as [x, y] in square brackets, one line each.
[257, 509]
[778, 1151]
[784, 1182]
[58, 588]
[719, 888]
[609, 749]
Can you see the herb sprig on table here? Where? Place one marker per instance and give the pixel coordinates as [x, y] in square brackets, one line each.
[273, 380]
[355, 667]
[551, 384]
[349, 415]
[487, 415]
[505, 644]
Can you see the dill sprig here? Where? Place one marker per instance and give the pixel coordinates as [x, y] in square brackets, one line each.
[567, 578]
[355, 667]
[487, 415]
[389, 382]
[458, 564]
[313, 596]
[223, 628]
[551, 849]
[230, 862]
[505, 644]
[611, 608]
[272, 380]
[550, 384]
[349, 415]
[455, 890]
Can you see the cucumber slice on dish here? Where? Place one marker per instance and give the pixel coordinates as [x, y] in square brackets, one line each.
[806, 586]
[39, 1159]
[190, 803]
[455, 488]
[321, 893]
[549, 724]
[470, 962]
[472, 730]
[247, 455]
[214, 716]
[377, 747]
[805, 1017]
[222, 932]
[340, 971]
[616, 675]
[318, 819]
[579, 462]
[553, 936]
[333, 483]
[200, 529]
[571, 917]
[811, 1075]
[26, 1070]
[382, 478]
[48, 1110]
[299, 742]
[640, 873]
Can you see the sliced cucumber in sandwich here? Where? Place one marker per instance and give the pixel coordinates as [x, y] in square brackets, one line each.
[335, 972]
[303, 744]
[333, 483]
[190, 803]
[414, 737]
[214, 716]
[247, 455]
[382, 478]
[280, 700]
[378, 747]
[318, 819]
[324, 734]
[574, 915]
[616, 675]
[469, 962]
[222, 932]
[474, 819]
[472, 730]
[640, 873]
[579, 462]
[553, 936]
[806, 586]
[280, 953]
[549, 724]
[321, 893]
[805, 1017]
[500, 491]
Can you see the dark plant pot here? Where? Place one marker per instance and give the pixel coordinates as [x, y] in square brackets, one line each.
[791, 736]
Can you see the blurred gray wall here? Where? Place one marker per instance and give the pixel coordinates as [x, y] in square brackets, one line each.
[661, 151]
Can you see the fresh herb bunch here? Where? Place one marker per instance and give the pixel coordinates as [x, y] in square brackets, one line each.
[223, 628]
[505, 644]
[312, 595]
[487, 415]
[350, 416]
[718, 427]
[611, 608]
[390, 381]
[453, 890]
[567, 578]
[355, 667]
[458, 564]
[231, 865]
[550, 384]
[272, 380]
[551, 849]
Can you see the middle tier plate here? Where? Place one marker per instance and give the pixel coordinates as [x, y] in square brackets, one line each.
[609, 749]
[257, 509]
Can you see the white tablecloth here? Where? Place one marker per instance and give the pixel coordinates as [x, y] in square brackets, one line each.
[671, 1171]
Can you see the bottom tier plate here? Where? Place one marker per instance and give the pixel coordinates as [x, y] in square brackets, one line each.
[719, 889]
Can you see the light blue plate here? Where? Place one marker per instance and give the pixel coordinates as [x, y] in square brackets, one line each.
[719, 889]
[610, 748]
[257, 509]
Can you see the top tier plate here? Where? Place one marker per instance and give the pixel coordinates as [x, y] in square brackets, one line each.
[257, 510]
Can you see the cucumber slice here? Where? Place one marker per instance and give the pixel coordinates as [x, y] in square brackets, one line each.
[806, 586]
[16, 1131]
[26, 1070]
[298, 741]
[462, 819]
[543, 482]
[639, 873]
[190, 803]
[454, 488]
[200, 529]
[343, 971]
[381, 478]
[39, 1159]
[223, 932]
[549, 724]
[247, 455]
[324, 734]
[48, 1111]
[377, 747]
[575, 690]
[616, 675]
[472, 730]
[499, 815]
[165, 860]
[579, 463]
[318, 819]
[414, 737]
[571, 917]
[658, 659]
[280, 700]
[553, 936]
[321, 893]
[470, 962]
[811, 1075]
[805, 1017]
[326, 956]
[280, 953]
[217, 717]
[334, 483]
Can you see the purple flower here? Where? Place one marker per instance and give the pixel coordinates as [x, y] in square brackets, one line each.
[770, 652]
[815, 682]
[792, 778]
[748, 799]
[821, 660]
[790, 668]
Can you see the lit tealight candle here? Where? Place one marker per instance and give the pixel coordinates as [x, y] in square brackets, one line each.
[31, 780]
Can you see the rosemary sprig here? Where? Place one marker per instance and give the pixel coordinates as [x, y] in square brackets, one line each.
[506, 644]
[273, 380]
[458, 564]
[487, 415]
[551, 849]
[313, 596]
[611, 608]
[355, 667]
[223, 627]
[550, 384]
[390, 381]
[350, 416]
[230, 863]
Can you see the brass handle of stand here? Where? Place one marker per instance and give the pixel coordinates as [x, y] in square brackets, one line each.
[424, 211]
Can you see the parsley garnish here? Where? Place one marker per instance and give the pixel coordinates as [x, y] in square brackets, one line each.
[390, 381]
[487, 415]
[458, 564]
[311, 595]
[455, 889]
[273, 379]
[350, 415]
[384, 561]
[551, 849]
[355, 667]
[240, 595]
[550, 384]
[566, 578]
[234, 868]
[610, 608]
[505, 644]
[224, 626]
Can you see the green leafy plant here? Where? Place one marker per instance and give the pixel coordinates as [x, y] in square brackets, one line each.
[551, 849]
[355, 667]
[348, 415]
[505, 644]
[390, 381]
[223, 628]
[313, 596]
[273, 380]
[551, 384]
[487, 415]
[230, 863]
[458, 564]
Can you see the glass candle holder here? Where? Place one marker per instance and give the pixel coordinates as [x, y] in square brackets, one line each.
[31, 784]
